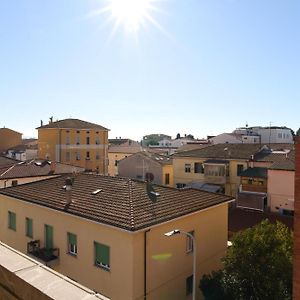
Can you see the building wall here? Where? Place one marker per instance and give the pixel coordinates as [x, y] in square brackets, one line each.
[138, 165]
[296, 262]
[9, 138]
[64, 145]
[180, 176]
[224, 138]
[168, 169]
[275, 135]
[168, 263]
[281, 186]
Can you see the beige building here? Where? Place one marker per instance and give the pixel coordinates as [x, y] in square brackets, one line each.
[9, 138]
[107, 233]
[119, 149]
[74, 142]
[281, 187]
[142, 164]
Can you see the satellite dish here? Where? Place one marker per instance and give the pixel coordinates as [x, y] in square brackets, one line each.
[149, 177]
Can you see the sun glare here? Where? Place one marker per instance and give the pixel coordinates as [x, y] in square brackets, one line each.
[130, 13]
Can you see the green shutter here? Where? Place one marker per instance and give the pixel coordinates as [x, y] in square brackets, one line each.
[72, 238]
[48, 236]
[29, 227]
[11, 220]
[102, 254]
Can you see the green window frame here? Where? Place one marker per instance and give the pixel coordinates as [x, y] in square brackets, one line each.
[29, 227]
[48, 236]
[102, 256]
[12, 220]
[72, 243]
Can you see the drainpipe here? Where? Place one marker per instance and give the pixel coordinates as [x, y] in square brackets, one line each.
[145, 264]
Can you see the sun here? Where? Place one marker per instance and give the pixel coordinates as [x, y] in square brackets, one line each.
[130, 13]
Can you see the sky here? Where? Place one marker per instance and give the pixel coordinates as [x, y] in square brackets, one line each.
[198, 67]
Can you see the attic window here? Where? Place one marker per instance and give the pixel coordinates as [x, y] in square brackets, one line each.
[64, 187]
[154, 193]
[96, 192]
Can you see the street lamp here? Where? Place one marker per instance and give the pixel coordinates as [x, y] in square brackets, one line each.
[177, 231]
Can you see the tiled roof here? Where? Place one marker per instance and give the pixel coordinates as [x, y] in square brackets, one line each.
[255, 172]
[287, 164]
[121, 202]
[5, 161]
[124, 149]
[276, 155]
[188, 147]
[36, 168]
[72, 124]
[229, 151]
[159, 158]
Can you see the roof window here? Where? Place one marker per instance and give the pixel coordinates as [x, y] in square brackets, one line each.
[96, 191]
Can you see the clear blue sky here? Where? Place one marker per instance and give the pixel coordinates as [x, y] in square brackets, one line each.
[216, 65]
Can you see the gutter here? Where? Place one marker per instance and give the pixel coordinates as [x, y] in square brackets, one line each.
[145, 263]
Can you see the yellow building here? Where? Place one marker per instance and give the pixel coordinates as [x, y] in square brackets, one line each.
[9, 138]
[216, 167]
[107, 233]
[74, 142]
[119, 149]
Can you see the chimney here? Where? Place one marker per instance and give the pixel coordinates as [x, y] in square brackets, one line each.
[69, 184]
[51, 120]
[41, 123]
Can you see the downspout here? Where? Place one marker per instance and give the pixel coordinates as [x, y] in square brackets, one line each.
[145, 263]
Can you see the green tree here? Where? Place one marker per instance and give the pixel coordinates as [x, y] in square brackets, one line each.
[258, 265]
[298, 132]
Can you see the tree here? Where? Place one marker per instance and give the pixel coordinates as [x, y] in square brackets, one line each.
[258, 266]
[298, 132]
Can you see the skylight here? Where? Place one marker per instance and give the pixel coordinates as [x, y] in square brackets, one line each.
[96, 192]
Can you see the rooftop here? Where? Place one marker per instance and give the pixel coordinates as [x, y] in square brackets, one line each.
[230, 151]
[121, 202]
[255, 172]
[36, 167]
[72, 124]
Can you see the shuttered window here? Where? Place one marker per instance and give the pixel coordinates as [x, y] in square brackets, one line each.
[29, 229]
[102, 255]
[72, 243]
[12, 220]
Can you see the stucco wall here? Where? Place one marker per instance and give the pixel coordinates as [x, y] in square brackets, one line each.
[281, 185]
[168, 264]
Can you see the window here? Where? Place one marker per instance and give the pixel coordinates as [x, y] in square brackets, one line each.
[167, 178]
[239, 169]
[77, 155]
[12, 221]
[87, 140]
[28, 224]
[67, 140]
[48, 236]
[116, 162]
[189, 243]
[68, 156]
[102, 255]
[198, 168]
[72, 243]
[77, 139]
[189, 285]
[280, 135]
[87, 154]
[97, 140]
[97, 156]
[187, 168]
[180, 185]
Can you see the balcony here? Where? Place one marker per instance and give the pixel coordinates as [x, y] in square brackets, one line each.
[49, 257]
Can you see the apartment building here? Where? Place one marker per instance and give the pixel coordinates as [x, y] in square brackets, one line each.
[74, 142]
[107, 233]
[9, 138]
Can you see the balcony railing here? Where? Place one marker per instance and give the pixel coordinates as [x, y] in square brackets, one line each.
[49, 256]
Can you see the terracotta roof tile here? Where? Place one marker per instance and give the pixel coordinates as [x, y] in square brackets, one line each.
[122, 202]
[72, 123]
